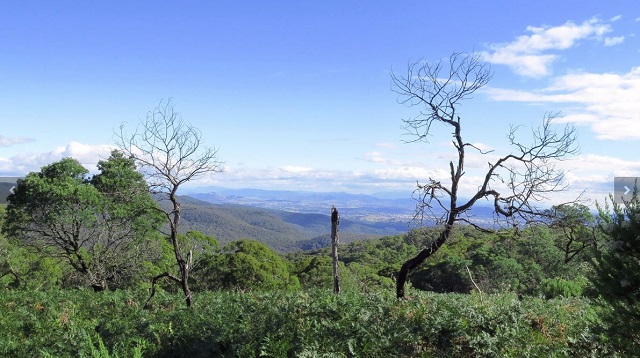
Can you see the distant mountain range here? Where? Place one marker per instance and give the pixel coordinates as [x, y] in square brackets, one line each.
[293, 220]
[355, 206]
[368, 208]
[289, 220]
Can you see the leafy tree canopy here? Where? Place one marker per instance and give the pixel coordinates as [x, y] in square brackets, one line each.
[246, 265]
[100, 226]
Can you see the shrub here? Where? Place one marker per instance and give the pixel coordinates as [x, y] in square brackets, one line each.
[558, 287]
[295, 323]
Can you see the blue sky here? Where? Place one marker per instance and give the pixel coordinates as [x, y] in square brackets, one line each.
[296, 95]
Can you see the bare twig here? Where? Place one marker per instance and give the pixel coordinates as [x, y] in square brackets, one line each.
[170, 152]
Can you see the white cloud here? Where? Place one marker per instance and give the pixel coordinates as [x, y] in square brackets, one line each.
[612, 41]
[615, 18]
[411, 173]
[590, 173]
[606, 166]
[608, 102]
[87, 155]
[594, 174]
[526, 55]
[586, 171]
[10, 141]
[295, 169]
[400, 177]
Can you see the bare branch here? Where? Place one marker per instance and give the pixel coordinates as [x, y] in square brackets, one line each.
[439, 90]
[170, 152]
[153, 285]
[516, 182]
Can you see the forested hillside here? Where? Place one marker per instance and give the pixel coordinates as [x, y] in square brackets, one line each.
[281, 230]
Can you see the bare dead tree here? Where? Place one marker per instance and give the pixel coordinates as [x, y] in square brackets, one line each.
[169, 153]
[515, 182]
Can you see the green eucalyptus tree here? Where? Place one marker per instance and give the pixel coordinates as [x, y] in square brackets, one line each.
[100, 226]
[246, 265]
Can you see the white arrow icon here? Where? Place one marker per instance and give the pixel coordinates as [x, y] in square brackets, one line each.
[626, 190]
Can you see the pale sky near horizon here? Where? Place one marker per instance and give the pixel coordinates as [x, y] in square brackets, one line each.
[296, 95]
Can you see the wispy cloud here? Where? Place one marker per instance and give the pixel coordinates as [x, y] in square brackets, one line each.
[375, 157]
[605, 166]
[483, 147]
[612, 41]
[527, 54]
[608, 102]
[400, 177]
[10, 141]
[594, 174]
[295, 169]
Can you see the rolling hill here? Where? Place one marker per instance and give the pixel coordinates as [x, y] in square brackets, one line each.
[282, 230]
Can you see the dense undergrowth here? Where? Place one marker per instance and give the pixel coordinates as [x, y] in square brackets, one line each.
[307, 323]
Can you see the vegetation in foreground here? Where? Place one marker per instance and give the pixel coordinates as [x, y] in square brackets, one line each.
[511, 293]
[304, 323]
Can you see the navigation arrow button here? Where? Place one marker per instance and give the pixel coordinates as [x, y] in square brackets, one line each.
[624, 188]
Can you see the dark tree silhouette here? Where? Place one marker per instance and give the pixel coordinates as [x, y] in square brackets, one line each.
[514, 182]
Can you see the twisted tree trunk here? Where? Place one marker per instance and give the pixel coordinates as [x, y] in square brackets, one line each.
[418, 259]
